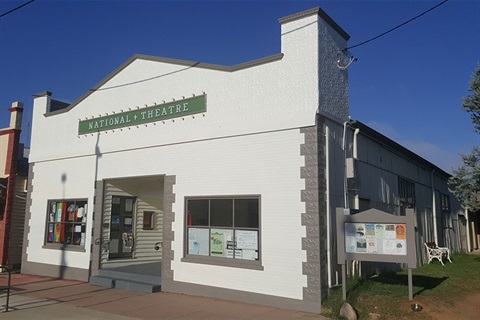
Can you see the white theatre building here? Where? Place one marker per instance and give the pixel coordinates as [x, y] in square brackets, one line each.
[198, 178]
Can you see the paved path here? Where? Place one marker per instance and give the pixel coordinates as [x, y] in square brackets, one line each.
[47, 298]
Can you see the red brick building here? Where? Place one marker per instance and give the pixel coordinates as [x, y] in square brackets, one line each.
[13, 177]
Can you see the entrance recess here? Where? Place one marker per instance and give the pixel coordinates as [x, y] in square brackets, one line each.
[121, 227]
[129, 233]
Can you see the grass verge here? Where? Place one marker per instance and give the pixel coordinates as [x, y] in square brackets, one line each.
[385, 296]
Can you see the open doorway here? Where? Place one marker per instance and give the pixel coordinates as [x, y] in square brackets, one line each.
[132, 223]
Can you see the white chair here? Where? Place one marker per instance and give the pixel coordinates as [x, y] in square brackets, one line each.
[436, 252]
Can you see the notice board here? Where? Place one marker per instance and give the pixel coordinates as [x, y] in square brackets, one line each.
[374, 235]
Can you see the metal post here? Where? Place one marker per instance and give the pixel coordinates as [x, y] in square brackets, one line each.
[8, 285]
[410, 284]
[344, 282]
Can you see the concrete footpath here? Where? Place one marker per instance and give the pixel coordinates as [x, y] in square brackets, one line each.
[35, 297]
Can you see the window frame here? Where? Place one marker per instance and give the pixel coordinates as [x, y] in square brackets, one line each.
[83, 225]
[222, 261]
[445, 202]
[406, 188]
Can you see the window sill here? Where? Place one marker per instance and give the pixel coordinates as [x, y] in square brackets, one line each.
[223, 262]
[65, 247]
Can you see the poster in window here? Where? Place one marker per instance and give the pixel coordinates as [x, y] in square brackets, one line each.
[198, 240]
[247, 239]
[58, 214]
[128, 205]
[220, 242]
[249, 254]
[51, 233]
[247, 245]
[216, 243]
[53, 209]
[115, 222]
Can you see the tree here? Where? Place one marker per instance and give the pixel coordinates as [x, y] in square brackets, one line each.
[466, 179]
[471, 103]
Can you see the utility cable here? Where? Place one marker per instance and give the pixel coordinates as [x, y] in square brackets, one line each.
[15, 9]
[345, 58]
[400, 25]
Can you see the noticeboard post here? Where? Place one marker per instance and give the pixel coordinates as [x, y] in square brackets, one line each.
[374, 235]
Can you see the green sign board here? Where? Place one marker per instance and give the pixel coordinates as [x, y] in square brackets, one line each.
[145, 115]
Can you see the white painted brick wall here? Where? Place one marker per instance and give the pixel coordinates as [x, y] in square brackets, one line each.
[47, 185]
[265, 164]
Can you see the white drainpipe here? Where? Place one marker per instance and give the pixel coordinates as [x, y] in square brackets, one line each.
[345, 191]
[434, 211]
[469, 247]
[355, 155]
[327, 195]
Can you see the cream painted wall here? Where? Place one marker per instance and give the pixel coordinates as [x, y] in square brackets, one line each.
[261, 164]
[47, 185]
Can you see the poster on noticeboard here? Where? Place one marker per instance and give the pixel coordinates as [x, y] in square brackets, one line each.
[376, 238]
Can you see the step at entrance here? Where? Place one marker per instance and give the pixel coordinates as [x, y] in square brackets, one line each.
[127, 281]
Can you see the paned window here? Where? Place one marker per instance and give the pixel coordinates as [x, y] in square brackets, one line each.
[445, 202]
[406, 193]
[66, 222]
[223, 227]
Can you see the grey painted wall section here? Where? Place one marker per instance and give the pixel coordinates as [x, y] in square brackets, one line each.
[332, 82]
[97, 241]
[28, 214]
[168, 284]
[311, 219]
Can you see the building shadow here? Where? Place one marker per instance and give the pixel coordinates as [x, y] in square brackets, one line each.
[424, 282]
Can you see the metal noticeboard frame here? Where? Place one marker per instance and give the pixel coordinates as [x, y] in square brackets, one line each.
[376, 217]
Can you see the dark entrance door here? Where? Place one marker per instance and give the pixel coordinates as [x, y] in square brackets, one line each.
[121, 227]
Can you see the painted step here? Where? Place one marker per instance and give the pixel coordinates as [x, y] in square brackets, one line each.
[131, 276]
[125, 284]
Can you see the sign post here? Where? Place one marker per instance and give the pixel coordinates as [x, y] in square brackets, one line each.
[374, 235]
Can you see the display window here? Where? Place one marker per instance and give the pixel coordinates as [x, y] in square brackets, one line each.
[223, 228]
[66, 223]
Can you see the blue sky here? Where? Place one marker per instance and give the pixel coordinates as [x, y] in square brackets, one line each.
[408, 84]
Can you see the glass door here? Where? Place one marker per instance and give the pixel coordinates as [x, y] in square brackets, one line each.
[121, 227]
